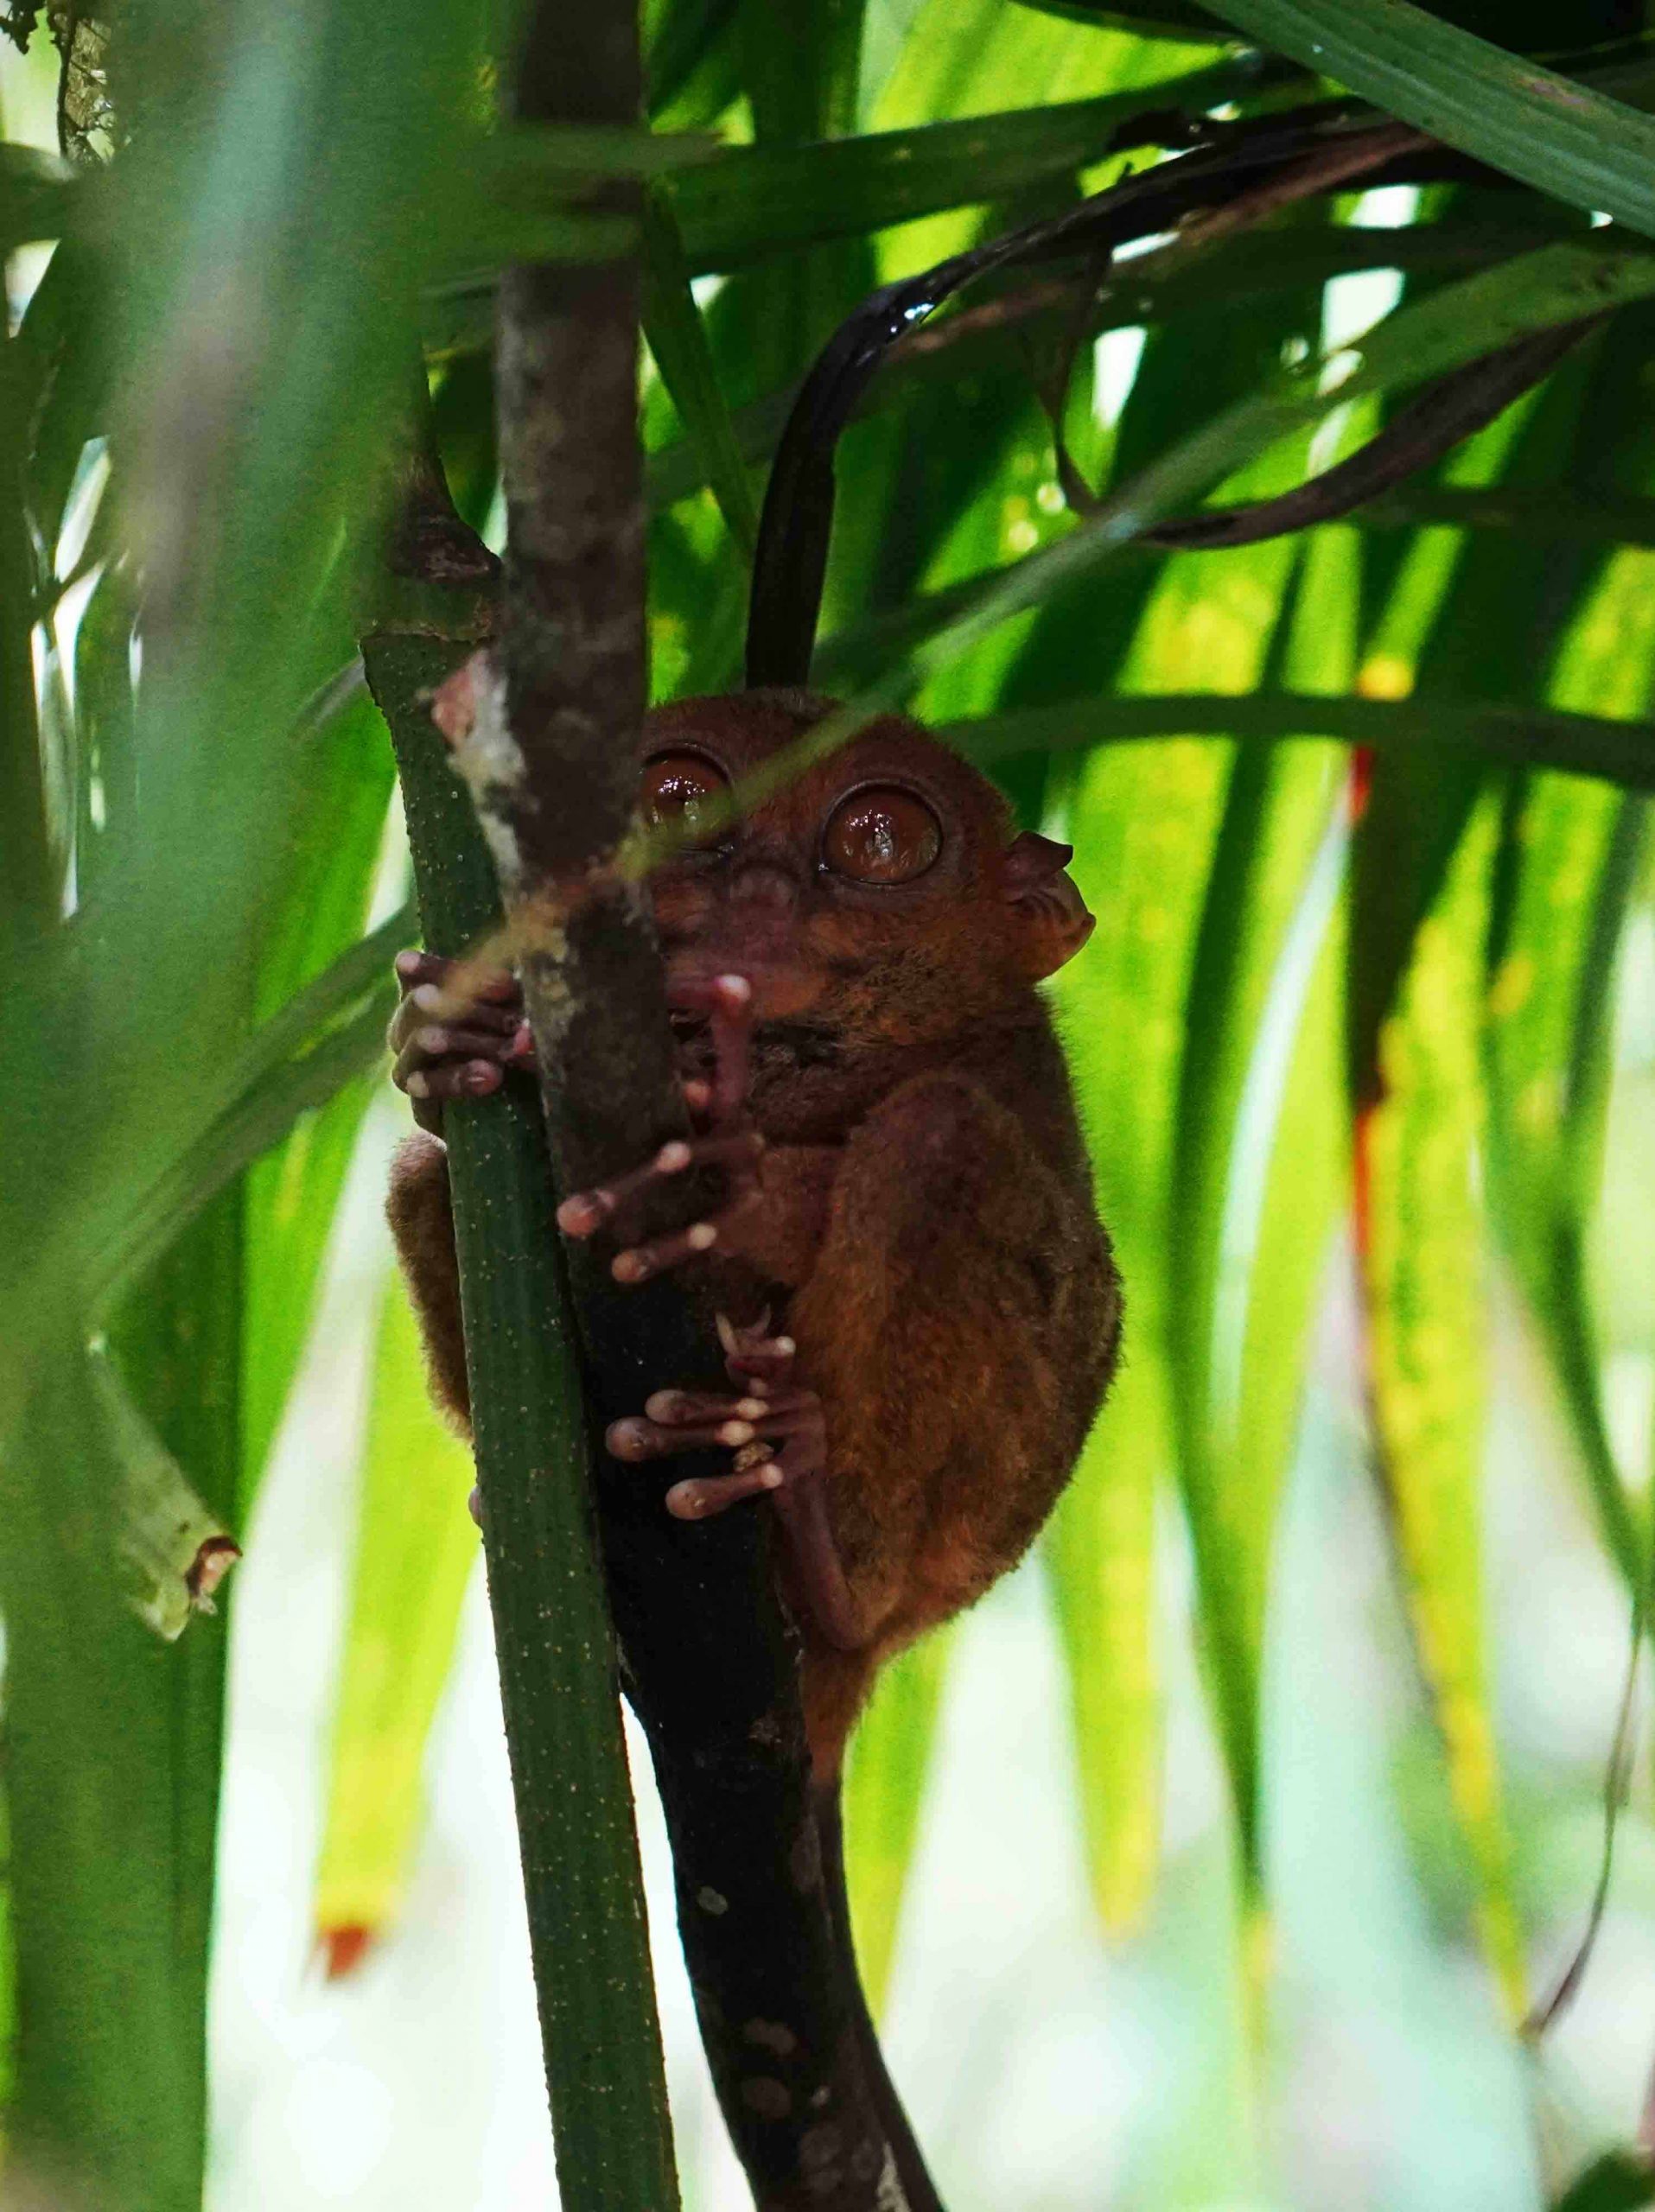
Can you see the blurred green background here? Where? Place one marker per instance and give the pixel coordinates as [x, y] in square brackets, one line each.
[1216, 1859]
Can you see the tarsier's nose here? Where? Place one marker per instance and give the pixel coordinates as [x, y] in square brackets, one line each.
[763, 883]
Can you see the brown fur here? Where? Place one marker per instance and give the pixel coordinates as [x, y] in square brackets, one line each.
[926, 1232]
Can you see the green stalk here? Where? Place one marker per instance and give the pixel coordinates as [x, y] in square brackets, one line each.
[556, 1654]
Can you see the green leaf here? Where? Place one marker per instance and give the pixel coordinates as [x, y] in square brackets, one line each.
[415, 1548]
[334, 850]
[1420, 1230]
[108, 2074]
[1099, 1554]
[178, 1341]
[273, 1094]
[677, 340]
[884, 1790]
[1535, 737]
[1571, 868]
[1159, 19]
[765, 199]
[1621, 2180]
[1560, 136]
[1270, 880]
[1143, 823]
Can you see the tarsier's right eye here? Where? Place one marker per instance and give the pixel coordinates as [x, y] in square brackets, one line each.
[676, 786]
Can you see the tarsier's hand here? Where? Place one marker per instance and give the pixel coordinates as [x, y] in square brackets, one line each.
[450, 1045]
[724, 1137]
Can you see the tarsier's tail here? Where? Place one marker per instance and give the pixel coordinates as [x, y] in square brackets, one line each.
[919, 2191]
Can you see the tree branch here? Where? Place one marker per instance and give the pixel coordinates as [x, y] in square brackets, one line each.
[549, 742]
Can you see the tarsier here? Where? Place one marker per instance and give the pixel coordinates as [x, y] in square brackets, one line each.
[916, 1298]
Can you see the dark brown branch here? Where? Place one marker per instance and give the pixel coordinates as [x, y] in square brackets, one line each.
[552, 754]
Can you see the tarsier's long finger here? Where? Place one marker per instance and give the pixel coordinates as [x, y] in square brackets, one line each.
[433, 975]
[451, 1079]
[703, 1496]
[637, 1439]
[432, 1057]
[727, 1001]
[414, 1013]
[586, 1212]
[688, 1420]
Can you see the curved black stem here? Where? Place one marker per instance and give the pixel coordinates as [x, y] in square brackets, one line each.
[796, 525]
[1439, 418]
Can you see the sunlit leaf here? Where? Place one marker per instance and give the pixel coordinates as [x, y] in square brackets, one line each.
[1144, 825]
[1424, 1268]
[1571, 869]
[416, 1547]
[292, 1190]
[1271, 886]
[884, 1790]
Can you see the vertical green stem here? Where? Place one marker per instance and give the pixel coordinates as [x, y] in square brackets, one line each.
[556, 1647]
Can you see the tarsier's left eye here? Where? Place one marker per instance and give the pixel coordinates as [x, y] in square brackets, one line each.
[677, 786]
[880, 834]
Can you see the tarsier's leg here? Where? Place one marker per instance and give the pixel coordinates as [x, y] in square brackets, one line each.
[779, 1434]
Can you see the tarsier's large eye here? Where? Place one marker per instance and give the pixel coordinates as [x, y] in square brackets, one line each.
[882, 835]
[677, 785]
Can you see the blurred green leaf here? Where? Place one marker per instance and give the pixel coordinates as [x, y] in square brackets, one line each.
[64, 338]
[884, 1790]
[415, 1547]
[107, 2087]
[1532, 25]
[174, 1548]
[682, 38]
[37, 195]
[1621, 2180]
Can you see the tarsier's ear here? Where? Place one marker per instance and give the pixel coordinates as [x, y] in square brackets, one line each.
[1053, 921]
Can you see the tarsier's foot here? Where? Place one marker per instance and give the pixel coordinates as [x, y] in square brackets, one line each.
[724, 1137]
[778, 1435]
